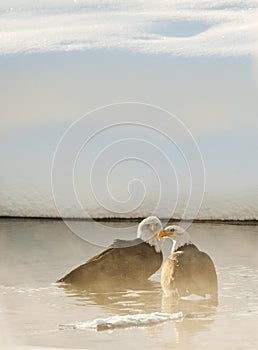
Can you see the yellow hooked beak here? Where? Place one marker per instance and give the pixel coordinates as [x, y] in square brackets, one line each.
[162, 233]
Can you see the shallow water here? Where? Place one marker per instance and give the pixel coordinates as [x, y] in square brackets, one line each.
[34, 312]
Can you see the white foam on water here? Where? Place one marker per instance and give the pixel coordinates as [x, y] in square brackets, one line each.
[127, 321]
[194, 297]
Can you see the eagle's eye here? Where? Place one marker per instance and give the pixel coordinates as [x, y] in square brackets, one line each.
[152, 226]
[172, 230]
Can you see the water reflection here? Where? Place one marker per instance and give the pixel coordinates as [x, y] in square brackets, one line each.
[198, 316]
[148, 298]
[142, 297]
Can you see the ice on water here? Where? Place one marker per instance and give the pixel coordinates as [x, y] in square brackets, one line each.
[126, 321]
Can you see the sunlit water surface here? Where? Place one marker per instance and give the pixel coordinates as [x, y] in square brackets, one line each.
[34, 312]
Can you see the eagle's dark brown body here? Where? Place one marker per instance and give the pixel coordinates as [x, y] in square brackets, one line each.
[189, 271]
[123, 262]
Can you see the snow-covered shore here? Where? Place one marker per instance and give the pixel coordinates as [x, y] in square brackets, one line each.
[172, 68]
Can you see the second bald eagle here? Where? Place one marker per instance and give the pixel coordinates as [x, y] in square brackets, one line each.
[187, 271]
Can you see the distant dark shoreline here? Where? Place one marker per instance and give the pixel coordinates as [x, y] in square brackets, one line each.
[114, 219]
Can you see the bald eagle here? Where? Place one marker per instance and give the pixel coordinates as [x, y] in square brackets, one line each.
[187, 270]
[125, 262]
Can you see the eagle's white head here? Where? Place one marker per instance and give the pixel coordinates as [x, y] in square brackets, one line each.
[177, 234]
[148, 229]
